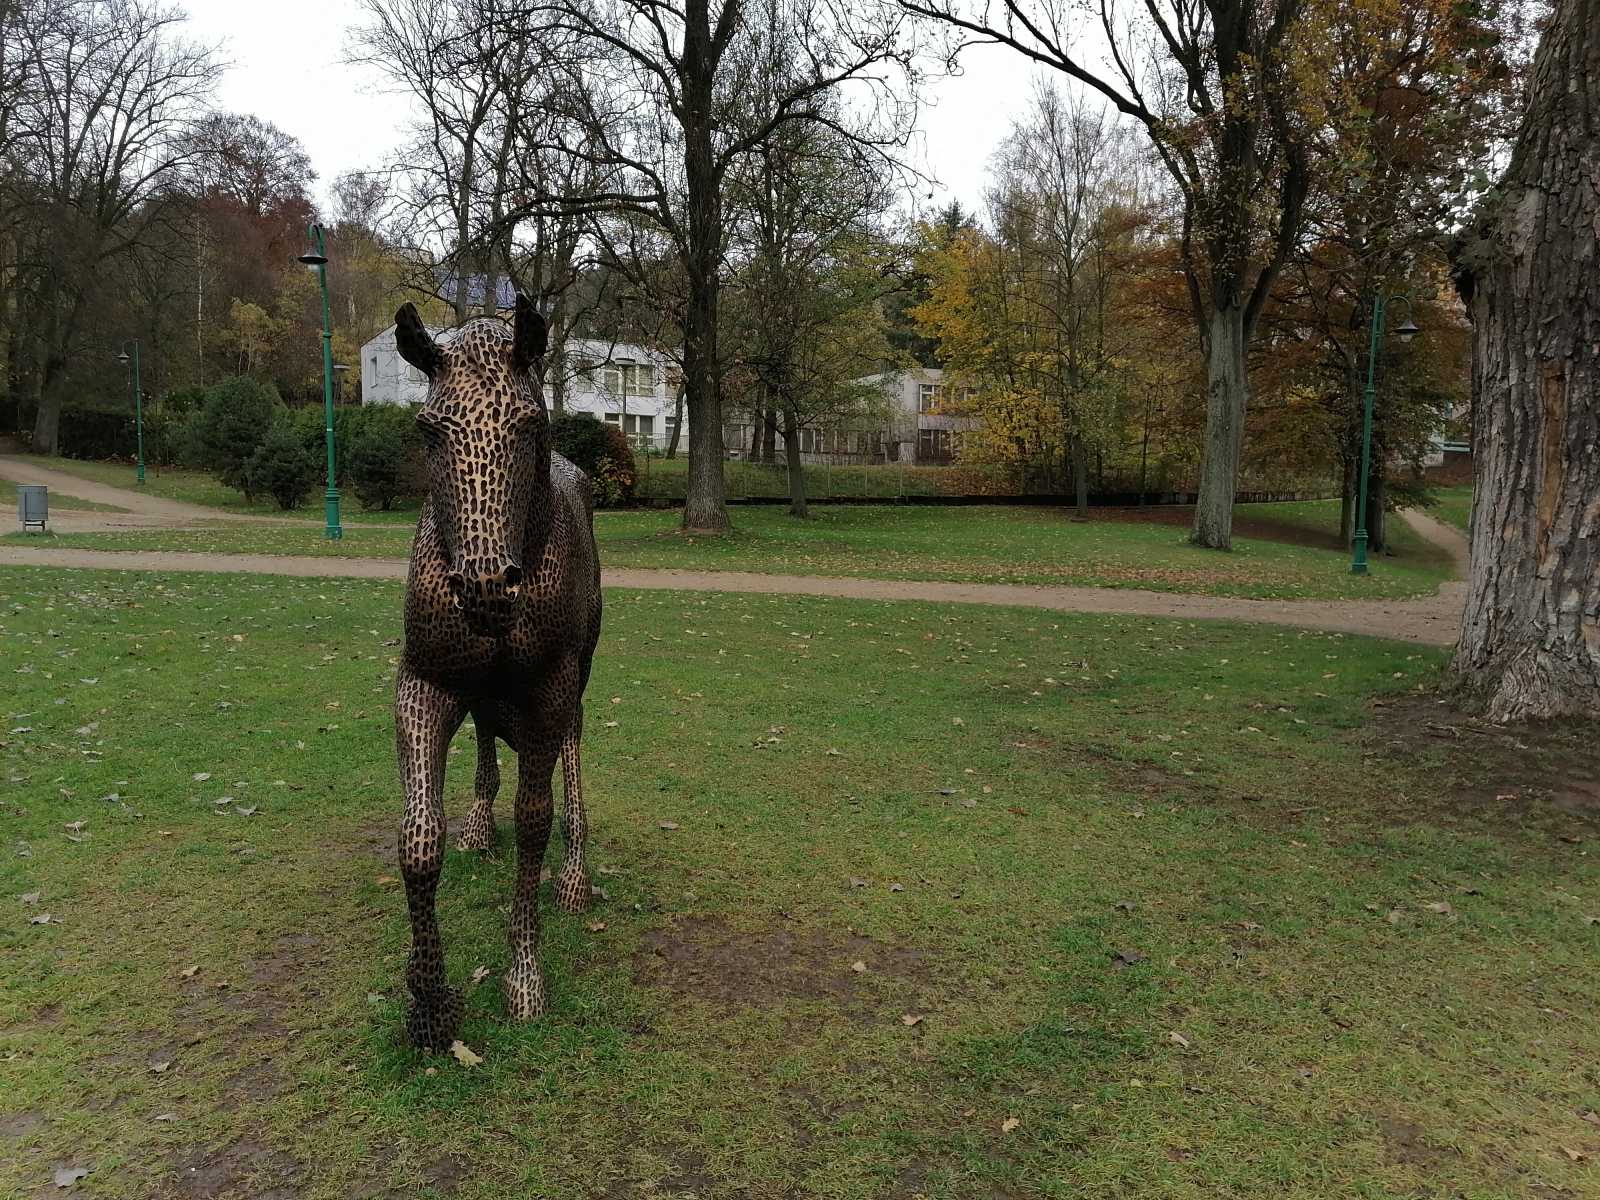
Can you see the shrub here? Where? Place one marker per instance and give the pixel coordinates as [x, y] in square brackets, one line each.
[234, 424]
[385, 456]
[599, 449]
[281, 466]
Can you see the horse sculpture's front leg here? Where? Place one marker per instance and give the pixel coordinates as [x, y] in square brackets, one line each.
[426, 717]
[572, 888]
[524, 981]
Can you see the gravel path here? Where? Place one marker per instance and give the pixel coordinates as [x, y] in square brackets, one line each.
[1432, 620]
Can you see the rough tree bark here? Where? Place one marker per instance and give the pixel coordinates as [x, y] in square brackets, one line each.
[1529, 271]
[1227, 396]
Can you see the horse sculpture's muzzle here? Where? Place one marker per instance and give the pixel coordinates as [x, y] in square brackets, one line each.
[487, 597]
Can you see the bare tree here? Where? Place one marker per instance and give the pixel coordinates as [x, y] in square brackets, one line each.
[1216, 86]
[106, 122]
[805, 304]
[678, 98]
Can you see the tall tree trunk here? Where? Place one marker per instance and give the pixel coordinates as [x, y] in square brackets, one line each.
[705, 507]
[769, 435]
[1080, 478]
[797, 471]
[677, 422]
[556, 373]
[1227, 393]
[1530, 636]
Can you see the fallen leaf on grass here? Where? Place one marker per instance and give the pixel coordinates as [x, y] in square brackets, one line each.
[464, 1055]
[75, 826]
[1177, 1039]
[857, 882]
[1574, 1155]
[165, 1117]
[1442, 907]
[1126, 958]
[910, 1019]
[44, 919]
[1394, 916]
[858, 966]
[479, 975]
[1009, 1124]
[200, 776]
[161, 1068]
[385, 880]
[30, 897]
[596, 926]
[1124, 906]
[669, 825]
[896, 887]
[65, 1177]
[189, 972]
[247, 812]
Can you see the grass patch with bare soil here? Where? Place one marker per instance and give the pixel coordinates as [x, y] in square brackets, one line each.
[898, 900]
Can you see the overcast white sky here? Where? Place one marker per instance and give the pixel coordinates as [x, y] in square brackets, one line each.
[286, 68]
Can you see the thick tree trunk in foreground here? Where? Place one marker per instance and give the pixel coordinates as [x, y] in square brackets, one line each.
[1227, 392]
[1530, 273]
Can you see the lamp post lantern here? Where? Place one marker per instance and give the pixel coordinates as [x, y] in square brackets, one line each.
[1406, 331]
[317, 257]
[138, 404]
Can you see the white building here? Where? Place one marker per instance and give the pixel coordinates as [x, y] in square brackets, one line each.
[915, 426]
[628, 386]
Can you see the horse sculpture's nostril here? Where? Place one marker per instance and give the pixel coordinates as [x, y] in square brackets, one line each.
[457, 584]
[513, 575]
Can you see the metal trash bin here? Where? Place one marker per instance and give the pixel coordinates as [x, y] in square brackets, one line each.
[33, 506]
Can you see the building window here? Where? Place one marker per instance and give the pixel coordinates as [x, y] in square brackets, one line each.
[612, 418]
[415, 376]
[621, 378]
[928, 397]
[933, 443]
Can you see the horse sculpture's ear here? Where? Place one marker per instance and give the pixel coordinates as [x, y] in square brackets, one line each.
[529, 336]
[413, 341]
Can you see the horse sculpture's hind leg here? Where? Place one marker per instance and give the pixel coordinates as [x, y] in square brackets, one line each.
[572, 892]
[426, 717]
[478, 831]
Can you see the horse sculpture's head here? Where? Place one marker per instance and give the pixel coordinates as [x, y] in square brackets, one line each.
[484, 424]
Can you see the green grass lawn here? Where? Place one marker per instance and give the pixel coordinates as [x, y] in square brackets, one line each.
[1178, 912]
[1455, 506]
[986, 544]
[8, 498]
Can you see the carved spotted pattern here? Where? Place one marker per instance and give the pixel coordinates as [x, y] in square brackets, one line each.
[502, 614]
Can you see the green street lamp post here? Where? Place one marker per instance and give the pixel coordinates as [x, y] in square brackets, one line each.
[318, 257]
[138, 403]
[1407, 331]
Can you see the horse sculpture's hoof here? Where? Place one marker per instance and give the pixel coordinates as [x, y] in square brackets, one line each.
[433, 1022]
[525, 995]
[572, 890]
[477, 837]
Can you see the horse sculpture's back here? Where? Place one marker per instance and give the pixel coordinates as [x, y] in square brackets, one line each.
[502, 615]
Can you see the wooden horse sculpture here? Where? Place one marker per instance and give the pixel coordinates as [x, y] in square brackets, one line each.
[502, 615]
